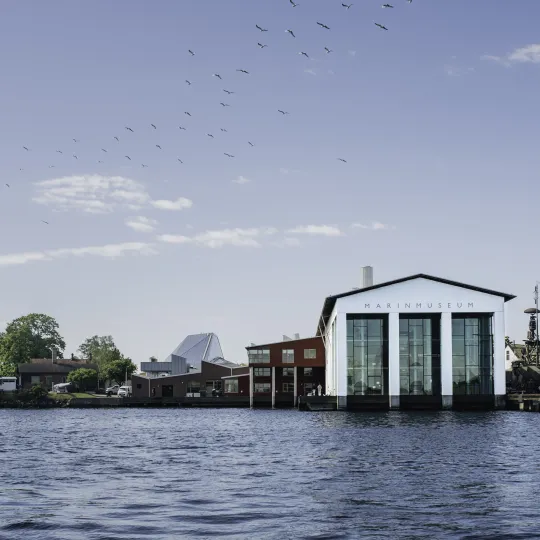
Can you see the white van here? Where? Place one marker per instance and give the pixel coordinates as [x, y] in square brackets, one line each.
[124, 391]
[8, 384]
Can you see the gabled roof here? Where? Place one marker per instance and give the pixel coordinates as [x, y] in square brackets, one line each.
[330, 301]
[53, 368]
[290, 342]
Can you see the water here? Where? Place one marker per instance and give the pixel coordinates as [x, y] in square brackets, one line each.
[196, 473]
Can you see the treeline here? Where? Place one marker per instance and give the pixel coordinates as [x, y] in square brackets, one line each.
[36, 336]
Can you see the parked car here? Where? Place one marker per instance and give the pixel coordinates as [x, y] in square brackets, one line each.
[64, 388]
[112, 390]
[124, 391]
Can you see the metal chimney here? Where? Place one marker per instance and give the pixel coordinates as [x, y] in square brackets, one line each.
[286, 338]
[296, 336]
[367, 276]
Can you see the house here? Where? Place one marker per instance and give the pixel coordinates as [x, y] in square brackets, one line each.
[513, 352]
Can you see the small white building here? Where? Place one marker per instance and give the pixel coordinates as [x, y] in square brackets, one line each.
[416, 341]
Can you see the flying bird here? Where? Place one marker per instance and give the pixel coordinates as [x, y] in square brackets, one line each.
[157, 146]
[99, 161]
[51, 166]
[143, 165]
[183, 128]
[188, 82]
[75, 156]
[382, 27]
[8, 185]
[46, 222]
[210, 135]
[228, 92]
[387, 6]
[323, 26]
[59, 151]
[282, 112]
[304, 54]
[191, 52]
[76, 140]
[180, 160]
[187, 113]
[26, 148]
[103, 150]
[224, 130]
[129, 129]
[128, 157]
[153, 126]
[293, 4]
[348, 6]
[228, 155]
[250, 144]
[261, 45]
[341, 159]
[243, 71]
[117, 139]
[224, 104]
[261, 29]
[217, 75]
[328, 51]
[290, 32]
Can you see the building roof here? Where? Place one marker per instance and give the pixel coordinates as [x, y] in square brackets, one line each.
[518, 349]
[287, 342]
[218, 361]
[198, 347]
[330, 301]
[236, 376]
[65, 367]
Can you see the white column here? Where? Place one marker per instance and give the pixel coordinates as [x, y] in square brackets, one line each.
[393, 359]
[251, 387]
[499, 368]
[273, 387]
[341, 360]
[446, 360]
[295, 392]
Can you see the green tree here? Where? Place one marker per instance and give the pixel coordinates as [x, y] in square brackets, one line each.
[102, 351]
[116, 370]
[30, 336]
[153, 359]
[83, 378]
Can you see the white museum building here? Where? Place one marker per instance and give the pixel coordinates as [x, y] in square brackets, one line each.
[415, 342]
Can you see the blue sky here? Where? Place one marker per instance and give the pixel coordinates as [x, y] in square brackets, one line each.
[436, 118]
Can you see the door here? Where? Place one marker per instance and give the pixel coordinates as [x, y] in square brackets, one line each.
[167, 390]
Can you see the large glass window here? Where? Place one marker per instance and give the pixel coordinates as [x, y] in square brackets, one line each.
[261, 388]
[308, 372]
[367, 356]
[231, 386]
[472, 354]
[288, 372]
[261, 372]
[259, 356]
[287, 356]
[193, 387]
[310, 354]
[419, 355]
[288, 387]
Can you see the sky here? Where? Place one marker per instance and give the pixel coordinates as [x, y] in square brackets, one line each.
[436, 120]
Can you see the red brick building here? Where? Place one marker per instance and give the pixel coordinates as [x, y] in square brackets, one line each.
[280, 372]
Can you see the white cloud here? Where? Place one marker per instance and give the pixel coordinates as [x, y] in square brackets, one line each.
[178, 204]
[457, 71]
[241, 180]
[174, 239]
[375, 226]
[141, 224]
[223, 237]
[323, 230]
[287, 242]
[109, 251]
[310, 71]
[352, 53]
[521, 55]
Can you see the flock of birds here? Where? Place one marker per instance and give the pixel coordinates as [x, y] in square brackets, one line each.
[223, 104]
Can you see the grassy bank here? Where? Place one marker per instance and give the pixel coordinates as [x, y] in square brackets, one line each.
[69, 396]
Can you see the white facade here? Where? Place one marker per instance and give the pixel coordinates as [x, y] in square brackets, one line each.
[415, 295]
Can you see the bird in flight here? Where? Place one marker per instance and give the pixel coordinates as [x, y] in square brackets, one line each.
[293, 3]
[290, 32]
[51, 166]
[187, 113]
[217, 75]
[75, 156]
[157, 146]
[210, 135]
[341, 159]
[261, 29]
[224, 104]
[26, 148]
[99, 161]
[76, 140]
[243, 71]
[129, 129]
[328, 51]
[128, 157]
[250, 143]
[228, 155]
[59, 151]
[348, 6]
[103, 150]
[261, 45]
[46, 222]
[143, 165]
[382, 27]
[191, 52]
[304, 54]
[180, 160]
[183, 128]
[323, 26]
[228, 92]
[387, 6]
[8, 185]
[282, 112]
[224, 130]
[188, 82]
[153, 126]
[117, 139]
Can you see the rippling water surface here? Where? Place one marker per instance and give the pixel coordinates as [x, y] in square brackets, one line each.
[181, 473]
